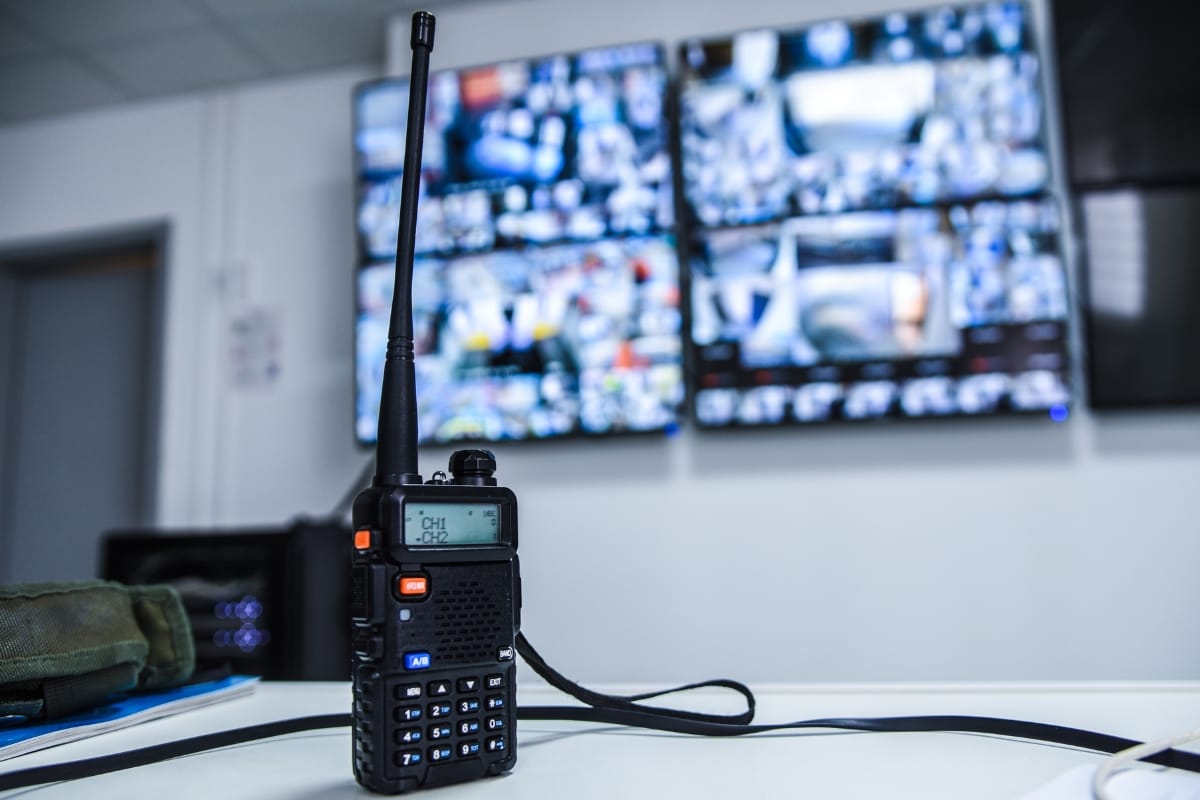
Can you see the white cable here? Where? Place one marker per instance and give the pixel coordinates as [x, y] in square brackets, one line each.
[1126, 757]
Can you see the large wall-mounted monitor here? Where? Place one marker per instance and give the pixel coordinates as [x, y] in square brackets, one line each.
[1129, 75]
[871, 232]
[1142, 255]
[545, 290]
[1130, 79]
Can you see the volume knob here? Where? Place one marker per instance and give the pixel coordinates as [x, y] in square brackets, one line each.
[473, 467]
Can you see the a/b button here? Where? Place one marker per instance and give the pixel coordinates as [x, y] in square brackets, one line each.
[416, 660]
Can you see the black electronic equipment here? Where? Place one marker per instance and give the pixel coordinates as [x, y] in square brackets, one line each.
[435, 599]
[262, 601]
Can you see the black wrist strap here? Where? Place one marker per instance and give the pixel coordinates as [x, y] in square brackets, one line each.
[632, 703]
[621, 710]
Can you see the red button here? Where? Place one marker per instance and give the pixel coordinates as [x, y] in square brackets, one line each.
[413, 585]
[362, 540]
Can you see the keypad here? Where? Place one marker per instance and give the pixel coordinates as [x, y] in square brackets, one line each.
[444, 719]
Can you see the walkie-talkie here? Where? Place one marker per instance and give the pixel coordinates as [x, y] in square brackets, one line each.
[435, 596]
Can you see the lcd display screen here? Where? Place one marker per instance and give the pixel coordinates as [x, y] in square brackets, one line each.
[871, 229]
[451, 524]
[545, 294]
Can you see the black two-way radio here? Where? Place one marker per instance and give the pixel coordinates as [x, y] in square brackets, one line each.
[435, 595]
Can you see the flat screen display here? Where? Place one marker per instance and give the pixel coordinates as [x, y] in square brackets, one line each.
[1143, 289]
[870, 231]
[1130, 81]
[545, 292]
[1129, 77]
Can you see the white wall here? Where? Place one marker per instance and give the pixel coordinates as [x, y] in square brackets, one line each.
[1007, 549]
[256, 186]
[290, 448]
[122, 167]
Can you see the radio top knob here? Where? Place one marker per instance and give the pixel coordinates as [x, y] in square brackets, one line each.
[473, 467]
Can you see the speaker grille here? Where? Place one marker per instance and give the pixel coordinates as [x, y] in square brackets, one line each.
[468, 615]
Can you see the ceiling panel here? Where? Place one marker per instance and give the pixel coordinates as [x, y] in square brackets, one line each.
[82, 22]
[67, 55]
[179, 63]
[16, 41]
[41, 87]
[319, 39]
[242, 9]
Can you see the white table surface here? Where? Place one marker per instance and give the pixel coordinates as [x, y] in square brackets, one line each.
[580, 762]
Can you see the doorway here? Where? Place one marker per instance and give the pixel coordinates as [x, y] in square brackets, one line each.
[80, 371]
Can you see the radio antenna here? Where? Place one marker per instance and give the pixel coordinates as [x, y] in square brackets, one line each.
[396, 451]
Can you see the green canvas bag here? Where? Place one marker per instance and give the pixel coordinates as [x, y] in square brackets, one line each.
[66, 647]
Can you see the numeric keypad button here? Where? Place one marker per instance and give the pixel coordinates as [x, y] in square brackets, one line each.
[408, 736]
[408, 713]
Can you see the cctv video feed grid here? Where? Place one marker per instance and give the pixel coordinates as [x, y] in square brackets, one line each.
[546, 287]
[870, 228]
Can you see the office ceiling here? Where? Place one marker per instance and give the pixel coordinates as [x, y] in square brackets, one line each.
[61, 56]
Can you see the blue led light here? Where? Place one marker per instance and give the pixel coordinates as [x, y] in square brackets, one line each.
[1059, 412]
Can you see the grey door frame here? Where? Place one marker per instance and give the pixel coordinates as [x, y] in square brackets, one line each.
[21, 259]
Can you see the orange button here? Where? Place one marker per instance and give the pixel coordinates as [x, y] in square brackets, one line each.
[362, 540]
[413, 585]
